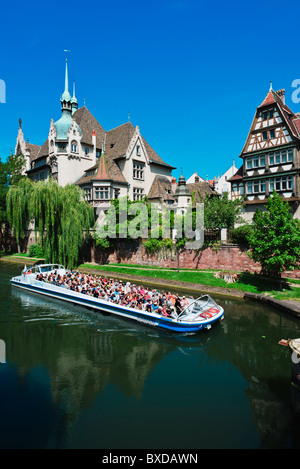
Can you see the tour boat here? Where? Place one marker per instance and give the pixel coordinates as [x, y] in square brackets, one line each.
[199, 314]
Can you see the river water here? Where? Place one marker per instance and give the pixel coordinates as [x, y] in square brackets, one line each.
[74, 378]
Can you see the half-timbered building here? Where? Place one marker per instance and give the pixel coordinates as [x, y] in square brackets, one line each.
[271, 157]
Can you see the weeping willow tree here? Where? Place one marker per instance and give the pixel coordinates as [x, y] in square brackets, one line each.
[60, 215]
[18, 207]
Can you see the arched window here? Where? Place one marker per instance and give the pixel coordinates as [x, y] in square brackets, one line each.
[74, 146]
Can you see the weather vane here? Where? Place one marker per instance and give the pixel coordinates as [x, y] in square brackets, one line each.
[66, 51]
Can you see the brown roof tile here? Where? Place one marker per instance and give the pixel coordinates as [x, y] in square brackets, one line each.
[87, 123]
[161, 189]
[199, 189]
[34, 150]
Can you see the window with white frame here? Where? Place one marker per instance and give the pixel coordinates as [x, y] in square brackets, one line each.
[281, 183]
[254, 187]
[238, 189]
[138, 193]
[88, 193]
[138, 171]
[255, 161]
[280, 157]
[102, 193]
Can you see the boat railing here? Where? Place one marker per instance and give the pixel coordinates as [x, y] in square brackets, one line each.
[198, 306]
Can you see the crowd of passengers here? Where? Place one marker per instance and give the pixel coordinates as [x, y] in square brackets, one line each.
[126, 294]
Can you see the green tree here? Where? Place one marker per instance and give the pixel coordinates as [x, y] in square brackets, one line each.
[60, 215]
[10, 173]
[275, 239]
[220, 212]
[18, 210]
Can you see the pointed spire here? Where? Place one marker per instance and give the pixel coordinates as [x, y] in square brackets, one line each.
[66, 77]
[66, 95]
[74, 102]
[271, 86]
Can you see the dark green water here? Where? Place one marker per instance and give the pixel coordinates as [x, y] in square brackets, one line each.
[76, 379]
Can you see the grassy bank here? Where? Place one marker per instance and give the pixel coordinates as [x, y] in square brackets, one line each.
[246, 282]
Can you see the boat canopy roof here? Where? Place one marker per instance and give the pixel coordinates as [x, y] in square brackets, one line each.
[44, 267]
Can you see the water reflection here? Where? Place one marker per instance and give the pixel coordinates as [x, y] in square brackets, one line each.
[93, 373]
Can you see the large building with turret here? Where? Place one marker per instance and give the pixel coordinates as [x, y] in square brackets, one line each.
[105, 164]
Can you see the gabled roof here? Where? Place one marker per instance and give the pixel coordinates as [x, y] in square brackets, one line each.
[118, 139]
[34, 150]
[237, 176]
[288, 115]
[199, 189]
[87, 123]
[291, 120]
[44, 150]
[161, 189]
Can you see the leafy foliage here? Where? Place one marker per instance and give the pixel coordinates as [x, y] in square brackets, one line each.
[36, 250]
[220, 212]
[59, 213]
[10, 173]
[275, 240]
[240, 235]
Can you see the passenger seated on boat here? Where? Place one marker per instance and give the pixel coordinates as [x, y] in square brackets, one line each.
[178, 305]
[184, 302]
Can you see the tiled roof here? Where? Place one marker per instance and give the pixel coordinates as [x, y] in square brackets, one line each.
[288, 115]
[199, 189]
[115, 174]
[34, 150]
[270, 98]
[238, 175]
[103, 172]
[161, 189]
[87, 123]
[118, 139]
[44, 151]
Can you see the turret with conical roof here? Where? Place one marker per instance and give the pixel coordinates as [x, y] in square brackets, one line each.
[63, 124]
[74, 102]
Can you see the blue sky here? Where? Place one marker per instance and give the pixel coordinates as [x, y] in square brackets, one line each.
[190, 73]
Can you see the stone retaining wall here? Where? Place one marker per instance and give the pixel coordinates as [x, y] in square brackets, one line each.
[226, 257]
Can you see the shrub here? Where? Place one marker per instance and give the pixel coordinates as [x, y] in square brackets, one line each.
[36, 250]
[241, 234]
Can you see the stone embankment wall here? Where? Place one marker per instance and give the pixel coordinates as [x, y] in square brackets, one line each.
[226, 257]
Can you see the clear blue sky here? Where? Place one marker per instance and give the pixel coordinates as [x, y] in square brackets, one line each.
[191, 73]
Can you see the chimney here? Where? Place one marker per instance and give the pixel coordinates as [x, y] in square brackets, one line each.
[281, 94]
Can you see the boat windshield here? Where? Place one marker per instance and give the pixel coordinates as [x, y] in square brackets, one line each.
[48, 268]
[203, 303]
